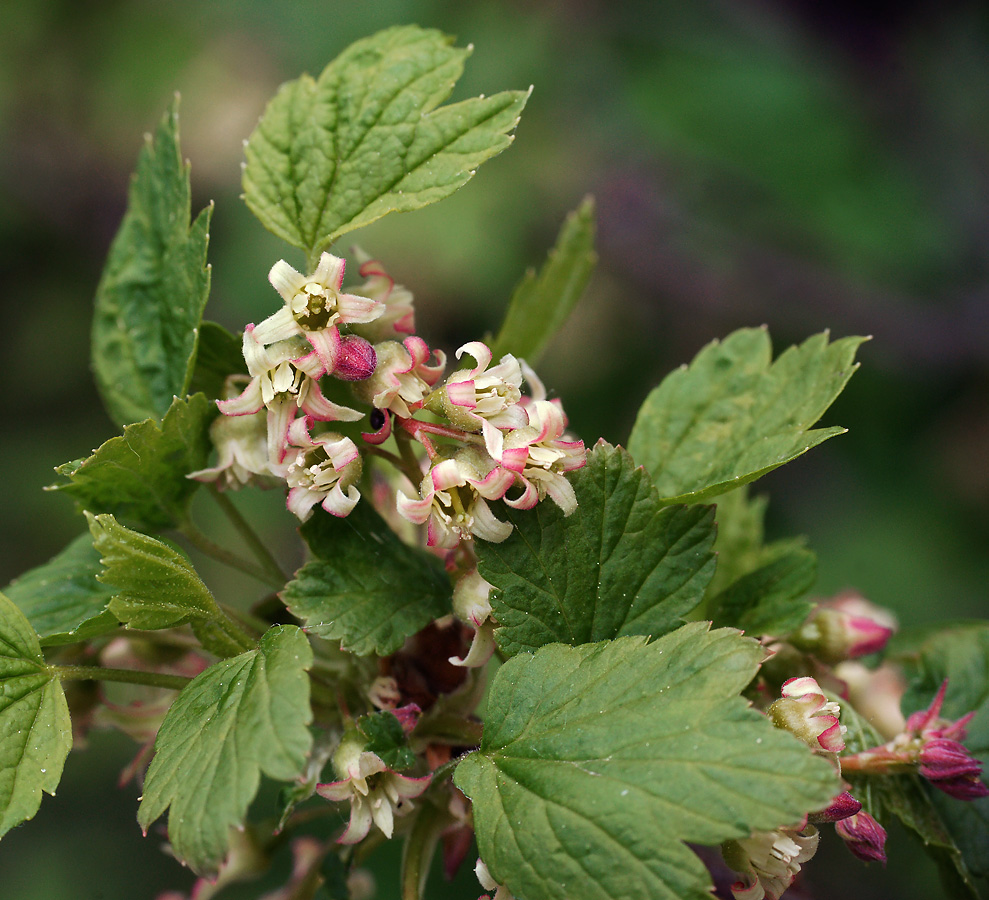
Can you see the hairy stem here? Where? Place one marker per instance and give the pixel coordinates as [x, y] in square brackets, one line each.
[261, 553]
[206, 545]
[125, 676]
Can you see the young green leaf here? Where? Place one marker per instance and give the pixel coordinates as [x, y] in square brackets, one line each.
[141, 475]
[366, 138]
[35, 731]
[541, 303]
[620, 564]
[150, 299]
[239, 718]
[62, 599]
[732, 415]
[154, 585]
[770, 599]
[598, 761]
[365, 587]
[386, 738]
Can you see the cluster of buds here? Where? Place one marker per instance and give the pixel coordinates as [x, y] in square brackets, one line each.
[932, 747]
[483, 439]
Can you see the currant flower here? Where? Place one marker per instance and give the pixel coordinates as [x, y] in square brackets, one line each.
[403, 377]
[453, 497]
[489, 884]
[471, 606]
[471, 396]
[314, 302]
[242, 448]
[538, 455]
[322, 471]
[768, 861]
[285, 378]
[398, 318]
[376, 793]
[806, 712]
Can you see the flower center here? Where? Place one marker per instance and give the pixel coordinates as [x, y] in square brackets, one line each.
[314, 306]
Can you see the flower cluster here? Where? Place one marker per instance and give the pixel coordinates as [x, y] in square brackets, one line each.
[480, 438]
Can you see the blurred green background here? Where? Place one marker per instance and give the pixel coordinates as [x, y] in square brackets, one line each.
[803, 165]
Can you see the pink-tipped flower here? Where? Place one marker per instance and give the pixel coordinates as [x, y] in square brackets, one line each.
[471, 606]
[768, 861]
[313, 302]
[242, 448]
[320, 470]
[863, 836]
[472, 396]
[538, 455]
[376, 793]
[453, 497]
[847, 627]
[398, 318]
[403, 377]
[806, 712]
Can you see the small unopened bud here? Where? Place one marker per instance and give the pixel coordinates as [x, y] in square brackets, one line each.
[841, 807]
[806, 712]
[864, 837]
[845, 628]
[948, 766]
[356, 360]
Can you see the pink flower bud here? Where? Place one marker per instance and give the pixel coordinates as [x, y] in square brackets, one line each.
[841, 807]
[408, 716]
[356, 360]
[806, 712]
[845, 628]
[948, 766]
[864, 837]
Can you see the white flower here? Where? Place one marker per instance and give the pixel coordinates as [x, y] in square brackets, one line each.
[323, 470]
[768, 861]
[313, 302]
[376, 793]
[471, 396]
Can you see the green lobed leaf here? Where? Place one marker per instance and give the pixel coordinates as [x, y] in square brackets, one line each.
[386, 737]
[366, 138]
[598, 761]
[365, 587]
[770, 599]
[220, 354]
[150, 300]
[154, 585]
[62, 599]
[35, 731]
[733, 415]
[620, 564]
[958, 652]
[141, 475]
[541, 303]
[241, 717]
[909, 799]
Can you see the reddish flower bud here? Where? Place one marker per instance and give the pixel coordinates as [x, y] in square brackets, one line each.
[845, 628]
[948, 766]
[357, 359]
[864, 837]
[841, 807]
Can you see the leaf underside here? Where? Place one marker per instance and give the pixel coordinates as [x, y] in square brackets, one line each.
[241, 717]
[598, 761]
[368, 137]
[35, 731]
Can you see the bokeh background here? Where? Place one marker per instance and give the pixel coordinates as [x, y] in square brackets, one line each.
[798, 164]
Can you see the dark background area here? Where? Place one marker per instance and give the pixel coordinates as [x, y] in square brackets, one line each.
[801, 165]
